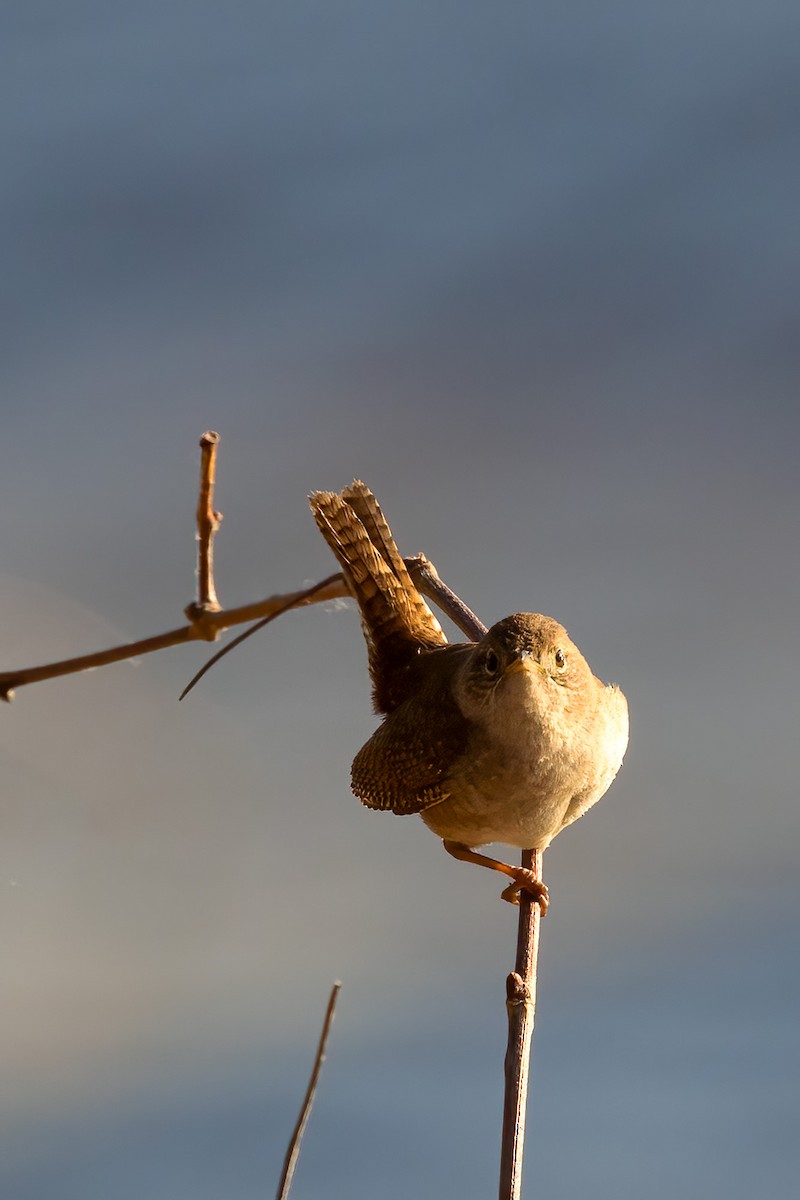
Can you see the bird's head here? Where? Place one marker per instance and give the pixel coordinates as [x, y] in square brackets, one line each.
[525, 661]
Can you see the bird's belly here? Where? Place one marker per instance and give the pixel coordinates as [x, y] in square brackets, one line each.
[521, 789]
[526, 816]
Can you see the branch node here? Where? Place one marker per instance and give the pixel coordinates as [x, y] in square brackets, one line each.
[517, 990]
[199, 617]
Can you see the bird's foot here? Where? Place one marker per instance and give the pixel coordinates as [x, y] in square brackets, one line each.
[525, 881]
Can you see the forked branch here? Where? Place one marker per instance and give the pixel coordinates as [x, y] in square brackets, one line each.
[208, 629]
[207, 618]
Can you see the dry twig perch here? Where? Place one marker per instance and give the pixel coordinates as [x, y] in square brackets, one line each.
[521, 1005]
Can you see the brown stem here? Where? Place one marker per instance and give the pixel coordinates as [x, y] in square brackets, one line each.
[426, 577]
[208, 523]
[293, 1152]
[208, 630]
[521, 1005]
[294, 601]
[209, 625]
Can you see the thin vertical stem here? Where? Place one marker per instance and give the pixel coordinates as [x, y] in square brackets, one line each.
[521, 1005]
[208, 522]
[293, 1152]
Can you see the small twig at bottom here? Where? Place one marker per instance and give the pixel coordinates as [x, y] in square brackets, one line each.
[293, 1153]
[521, 1005]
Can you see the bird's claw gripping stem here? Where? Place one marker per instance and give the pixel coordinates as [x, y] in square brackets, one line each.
[523, 879]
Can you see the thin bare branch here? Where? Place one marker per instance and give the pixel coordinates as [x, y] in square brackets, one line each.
[209, 629]
[521, 1005]
[210, 625]
[309, 596]
[207, 619]
[426, 577]
[208, 523]
[293, 1152]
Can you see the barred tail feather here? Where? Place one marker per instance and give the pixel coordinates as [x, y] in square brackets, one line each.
[397, 622]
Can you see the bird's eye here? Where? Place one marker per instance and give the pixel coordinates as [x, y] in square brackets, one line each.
[561, 659]
[491, 663]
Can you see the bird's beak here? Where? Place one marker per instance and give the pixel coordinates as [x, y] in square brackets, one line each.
[523, 662]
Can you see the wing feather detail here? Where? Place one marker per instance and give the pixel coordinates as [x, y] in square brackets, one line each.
[405, 766]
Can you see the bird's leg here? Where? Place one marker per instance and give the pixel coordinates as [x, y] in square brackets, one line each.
[523, 879]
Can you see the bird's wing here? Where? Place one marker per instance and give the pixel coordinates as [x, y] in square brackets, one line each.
[396, 620]
[405, 765]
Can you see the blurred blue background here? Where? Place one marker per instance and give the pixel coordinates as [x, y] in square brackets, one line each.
[532, 272]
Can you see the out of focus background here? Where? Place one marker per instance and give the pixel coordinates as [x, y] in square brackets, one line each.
[531, 271]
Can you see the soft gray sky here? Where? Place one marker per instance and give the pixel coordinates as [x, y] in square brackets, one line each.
[532, 273]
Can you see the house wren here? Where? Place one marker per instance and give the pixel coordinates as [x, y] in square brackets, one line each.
[508, 739]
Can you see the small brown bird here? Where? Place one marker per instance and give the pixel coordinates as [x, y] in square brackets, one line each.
[508, 739]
